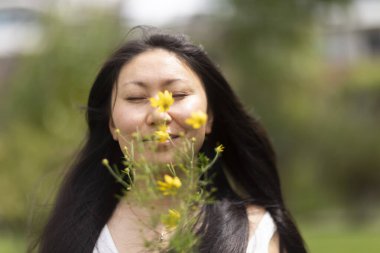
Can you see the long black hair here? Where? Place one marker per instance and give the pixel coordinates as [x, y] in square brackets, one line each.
[87, 197]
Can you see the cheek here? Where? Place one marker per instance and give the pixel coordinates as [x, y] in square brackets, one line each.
[184, 108]
[200, 137]
[183, 111]
[127, 119]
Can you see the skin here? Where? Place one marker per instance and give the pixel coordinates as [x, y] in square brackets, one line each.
[126, 230]
[255, 214]
[147, 74]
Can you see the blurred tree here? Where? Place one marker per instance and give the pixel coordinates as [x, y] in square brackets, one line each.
[323, 130]
[351, 148]
[42, 120]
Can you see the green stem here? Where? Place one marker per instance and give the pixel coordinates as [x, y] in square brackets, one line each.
[117, 177]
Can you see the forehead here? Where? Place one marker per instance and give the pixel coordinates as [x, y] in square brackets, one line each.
[156, 66]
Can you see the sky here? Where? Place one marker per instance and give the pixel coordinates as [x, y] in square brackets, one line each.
[159, 12]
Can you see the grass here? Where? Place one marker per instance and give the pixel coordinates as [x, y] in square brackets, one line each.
[339, 238]
[343, 241]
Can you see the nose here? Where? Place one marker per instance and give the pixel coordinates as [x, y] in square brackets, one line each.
[156, 118]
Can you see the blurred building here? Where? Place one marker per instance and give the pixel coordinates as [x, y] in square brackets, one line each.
[20, 27]
[352, 32]
[349, 32]
[21, 32]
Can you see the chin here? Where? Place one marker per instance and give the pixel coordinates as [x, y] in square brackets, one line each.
[160, 156]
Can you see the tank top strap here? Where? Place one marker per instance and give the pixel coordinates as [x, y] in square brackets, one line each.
[105, 243]
[259, 242]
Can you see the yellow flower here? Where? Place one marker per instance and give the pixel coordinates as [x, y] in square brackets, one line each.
[219, 149]
[162, 134]
[169, 186]
[197, 119]
[163, 101]
[171, 219]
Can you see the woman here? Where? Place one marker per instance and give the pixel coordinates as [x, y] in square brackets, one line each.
[248, 211]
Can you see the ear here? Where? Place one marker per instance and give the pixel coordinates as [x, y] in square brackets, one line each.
[210, 120]
[112, 128]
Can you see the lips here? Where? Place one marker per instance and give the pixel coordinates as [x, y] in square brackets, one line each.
[150, 137]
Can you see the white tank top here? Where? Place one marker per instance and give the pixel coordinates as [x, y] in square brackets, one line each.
[258, 243]
[105, 243]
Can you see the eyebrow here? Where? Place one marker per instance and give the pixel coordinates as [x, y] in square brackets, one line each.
[165, 83]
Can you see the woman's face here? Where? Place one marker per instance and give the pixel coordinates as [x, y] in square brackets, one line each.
[142, 78]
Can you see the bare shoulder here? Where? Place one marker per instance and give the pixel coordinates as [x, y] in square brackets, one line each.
[254, 214]
[274, 245]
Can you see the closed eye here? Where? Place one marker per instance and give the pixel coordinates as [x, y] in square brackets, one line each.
[179, 96]
[136, 99]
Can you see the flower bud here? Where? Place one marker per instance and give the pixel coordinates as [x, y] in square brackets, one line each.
[105, 162]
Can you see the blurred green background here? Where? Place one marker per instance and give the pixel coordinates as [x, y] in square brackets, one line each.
[322, 110]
